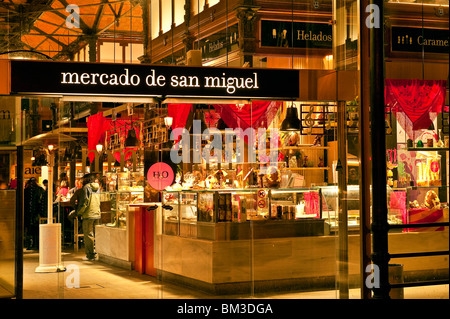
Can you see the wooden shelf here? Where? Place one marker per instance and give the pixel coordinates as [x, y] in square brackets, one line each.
[428, 149]
[305, 147]
[300, 148]
[304, 168]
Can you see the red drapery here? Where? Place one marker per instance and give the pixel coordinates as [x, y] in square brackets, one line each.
[255, 115]
[416, 99]
[179, 112]
[98, 125]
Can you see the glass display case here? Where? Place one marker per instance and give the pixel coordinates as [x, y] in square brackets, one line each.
[115, 206]
[229, 213]
[121, 189]
[418, 204]
[420, 192]
[330, 206]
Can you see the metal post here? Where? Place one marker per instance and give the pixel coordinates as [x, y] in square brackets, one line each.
[19, 226]
[380, 255]
[342, 197]
[364, 155]
[50, 188]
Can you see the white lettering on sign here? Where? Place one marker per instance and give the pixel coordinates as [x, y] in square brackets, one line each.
[230, 83]
[104, 79]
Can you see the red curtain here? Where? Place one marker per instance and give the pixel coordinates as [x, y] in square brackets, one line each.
[97, 126]
[416, 99]
[255, 115]
[179, 112]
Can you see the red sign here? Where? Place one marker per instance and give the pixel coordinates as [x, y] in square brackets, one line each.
[160, 175]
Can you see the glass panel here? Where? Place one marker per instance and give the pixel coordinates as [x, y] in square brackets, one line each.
[7, 239]
[179, 12]
[166, 16]
[154, 18]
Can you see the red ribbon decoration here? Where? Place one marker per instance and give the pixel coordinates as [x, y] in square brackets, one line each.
[416, 99]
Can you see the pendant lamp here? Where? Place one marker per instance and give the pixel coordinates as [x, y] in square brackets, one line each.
[131, 140]
[199, 117]
[291, 122]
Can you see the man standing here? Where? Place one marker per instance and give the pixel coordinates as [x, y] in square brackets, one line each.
[33, 209]
[86, 202]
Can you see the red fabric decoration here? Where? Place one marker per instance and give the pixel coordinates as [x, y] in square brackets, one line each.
[416, 99]
[179, 112]
[255, 115]
[98, 125]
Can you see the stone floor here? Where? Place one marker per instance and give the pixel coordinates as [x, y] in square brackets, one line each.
[98, 280]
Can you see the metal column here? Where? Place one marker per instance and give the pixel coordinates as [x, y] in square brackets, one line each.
[364, 155]
[19, 226]
[380, 227]
[342, 197]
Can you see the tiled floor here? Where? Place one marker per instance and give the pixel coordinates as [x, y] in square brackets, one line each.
[98, 280]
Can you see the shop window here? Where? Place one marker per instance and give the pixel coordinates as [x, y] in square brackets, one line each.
[197, 6]
[213, 2]
[178, 12]
[166, 16]
[154, 18]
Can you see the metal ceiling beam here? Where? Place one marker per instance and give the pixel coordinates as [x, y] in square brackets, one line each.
[99, 15]
[50, 37]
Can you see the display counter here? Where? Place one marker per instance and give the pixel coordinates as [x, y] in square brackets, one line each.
[197, 245]
[289, 263]
[115, 235]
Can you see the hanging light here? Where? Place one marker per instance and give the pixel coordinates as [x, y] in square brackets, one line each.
[99, 147]
[131, 140]
[67, 155]
[168, 121]
[199, 117]
[291, 122]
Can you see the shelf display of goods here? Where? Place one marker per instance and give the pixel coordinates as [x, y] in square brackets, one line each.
[428, 170]
[430, 211]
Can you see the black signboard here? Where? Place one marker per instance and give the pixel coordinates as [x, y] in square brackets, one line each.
[220, 43]
[301, 35]
[417, 39]
[151, 80]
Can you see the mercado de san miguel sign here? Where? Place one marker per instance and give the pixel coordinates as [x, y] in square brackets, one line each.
[405, 39]
[76, 78]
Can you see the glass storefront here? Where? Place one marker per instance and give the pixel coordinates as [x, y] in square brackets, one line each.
[273, 197]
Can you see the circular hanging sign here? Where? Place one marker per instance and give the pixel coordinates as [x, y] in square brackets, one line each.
[160, 175]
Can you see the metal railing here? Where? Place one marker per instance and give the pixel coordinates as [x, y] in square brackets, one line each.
[419, 254]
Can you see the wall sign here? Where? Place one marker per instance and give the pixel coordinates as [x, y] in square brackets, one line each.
[306, 35]
[220, 43]
[414, 39]
[151, 80]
